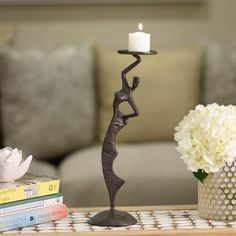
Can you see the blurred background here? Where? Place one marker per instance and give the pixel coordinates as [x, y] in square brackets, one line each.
[59, 70]
[171, 22]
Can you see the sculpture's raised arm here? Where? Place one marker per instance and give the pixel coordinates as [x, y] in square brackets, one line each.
[127, 69]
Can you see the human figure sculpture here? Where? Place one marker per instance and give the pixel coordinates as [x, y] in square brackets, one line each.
[114, 217]
[119, 120]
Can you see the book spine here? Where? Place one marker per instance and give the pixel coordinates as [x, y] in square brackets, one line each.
[32, 217]
[58, 200]
[29, 191]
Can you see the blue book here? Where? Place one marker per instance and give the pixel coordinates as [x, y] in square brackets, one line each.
[30, 204]
[32, 217]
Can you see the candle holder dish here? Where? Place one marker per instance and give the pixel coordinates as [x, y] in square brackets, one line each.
[113, 217]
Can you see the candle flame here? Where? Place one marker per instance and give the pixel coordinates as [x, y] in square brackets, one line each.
[140, 27]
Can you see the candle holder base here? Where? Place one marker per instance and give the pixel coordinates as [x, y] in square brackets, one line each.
[113, 218]
[126, 51]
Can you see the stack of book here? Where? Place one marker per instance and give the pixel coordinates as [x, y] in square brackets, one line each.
[29, 201]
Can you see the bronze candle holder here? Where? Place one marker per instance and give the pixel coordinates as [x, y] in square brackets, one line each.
[113, 217]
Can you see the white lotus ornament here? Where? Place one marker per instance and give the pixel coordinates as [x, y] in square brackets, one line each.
[12, 166]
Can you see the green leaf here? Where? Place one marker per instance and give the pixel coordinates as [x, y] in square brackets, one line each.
[200, 175]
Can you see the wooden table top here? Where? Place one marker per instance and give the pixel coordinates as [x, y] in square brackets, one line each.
[181, 220]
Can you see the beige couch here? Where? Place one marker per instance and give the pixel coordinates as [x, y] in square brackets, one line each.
[56, 108]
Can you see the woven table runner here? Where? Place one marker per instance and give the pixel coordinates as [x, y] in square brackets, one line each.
[147, 220]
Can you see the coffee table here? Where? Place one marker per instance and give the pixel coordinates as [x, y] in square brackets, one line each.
[152, 220]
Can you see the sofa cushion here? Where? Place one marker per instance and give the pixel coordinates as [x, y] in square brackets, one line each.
[47, 98]
[42, 168]
[220, 74]
[7, 32]
[169, 87]
[154, 175]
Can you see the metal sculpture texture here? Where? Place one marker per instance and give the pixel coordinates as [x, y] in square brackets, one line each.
[119, 120]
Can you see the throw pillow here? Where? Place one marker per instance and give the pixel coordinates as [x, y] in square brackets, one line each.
[220, 74]
[48, 107]
[169, 87]
[6, 33]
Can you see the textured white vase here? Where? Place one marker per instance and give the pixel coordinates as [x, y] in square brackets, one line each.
[217, 195]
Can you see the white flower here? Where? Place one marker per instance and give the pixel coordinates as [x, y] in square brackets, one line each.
[12, 166]
[207, 137]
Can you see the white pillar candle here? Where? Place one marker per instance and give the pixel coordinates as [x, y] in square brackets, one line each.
[139, 41]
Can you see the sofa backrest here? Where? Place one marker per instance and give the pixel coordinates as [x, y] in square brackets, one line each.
[173, 23]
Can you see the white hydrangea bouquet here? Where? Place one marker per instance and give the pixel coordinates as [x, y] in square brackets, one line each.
[206, 139]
